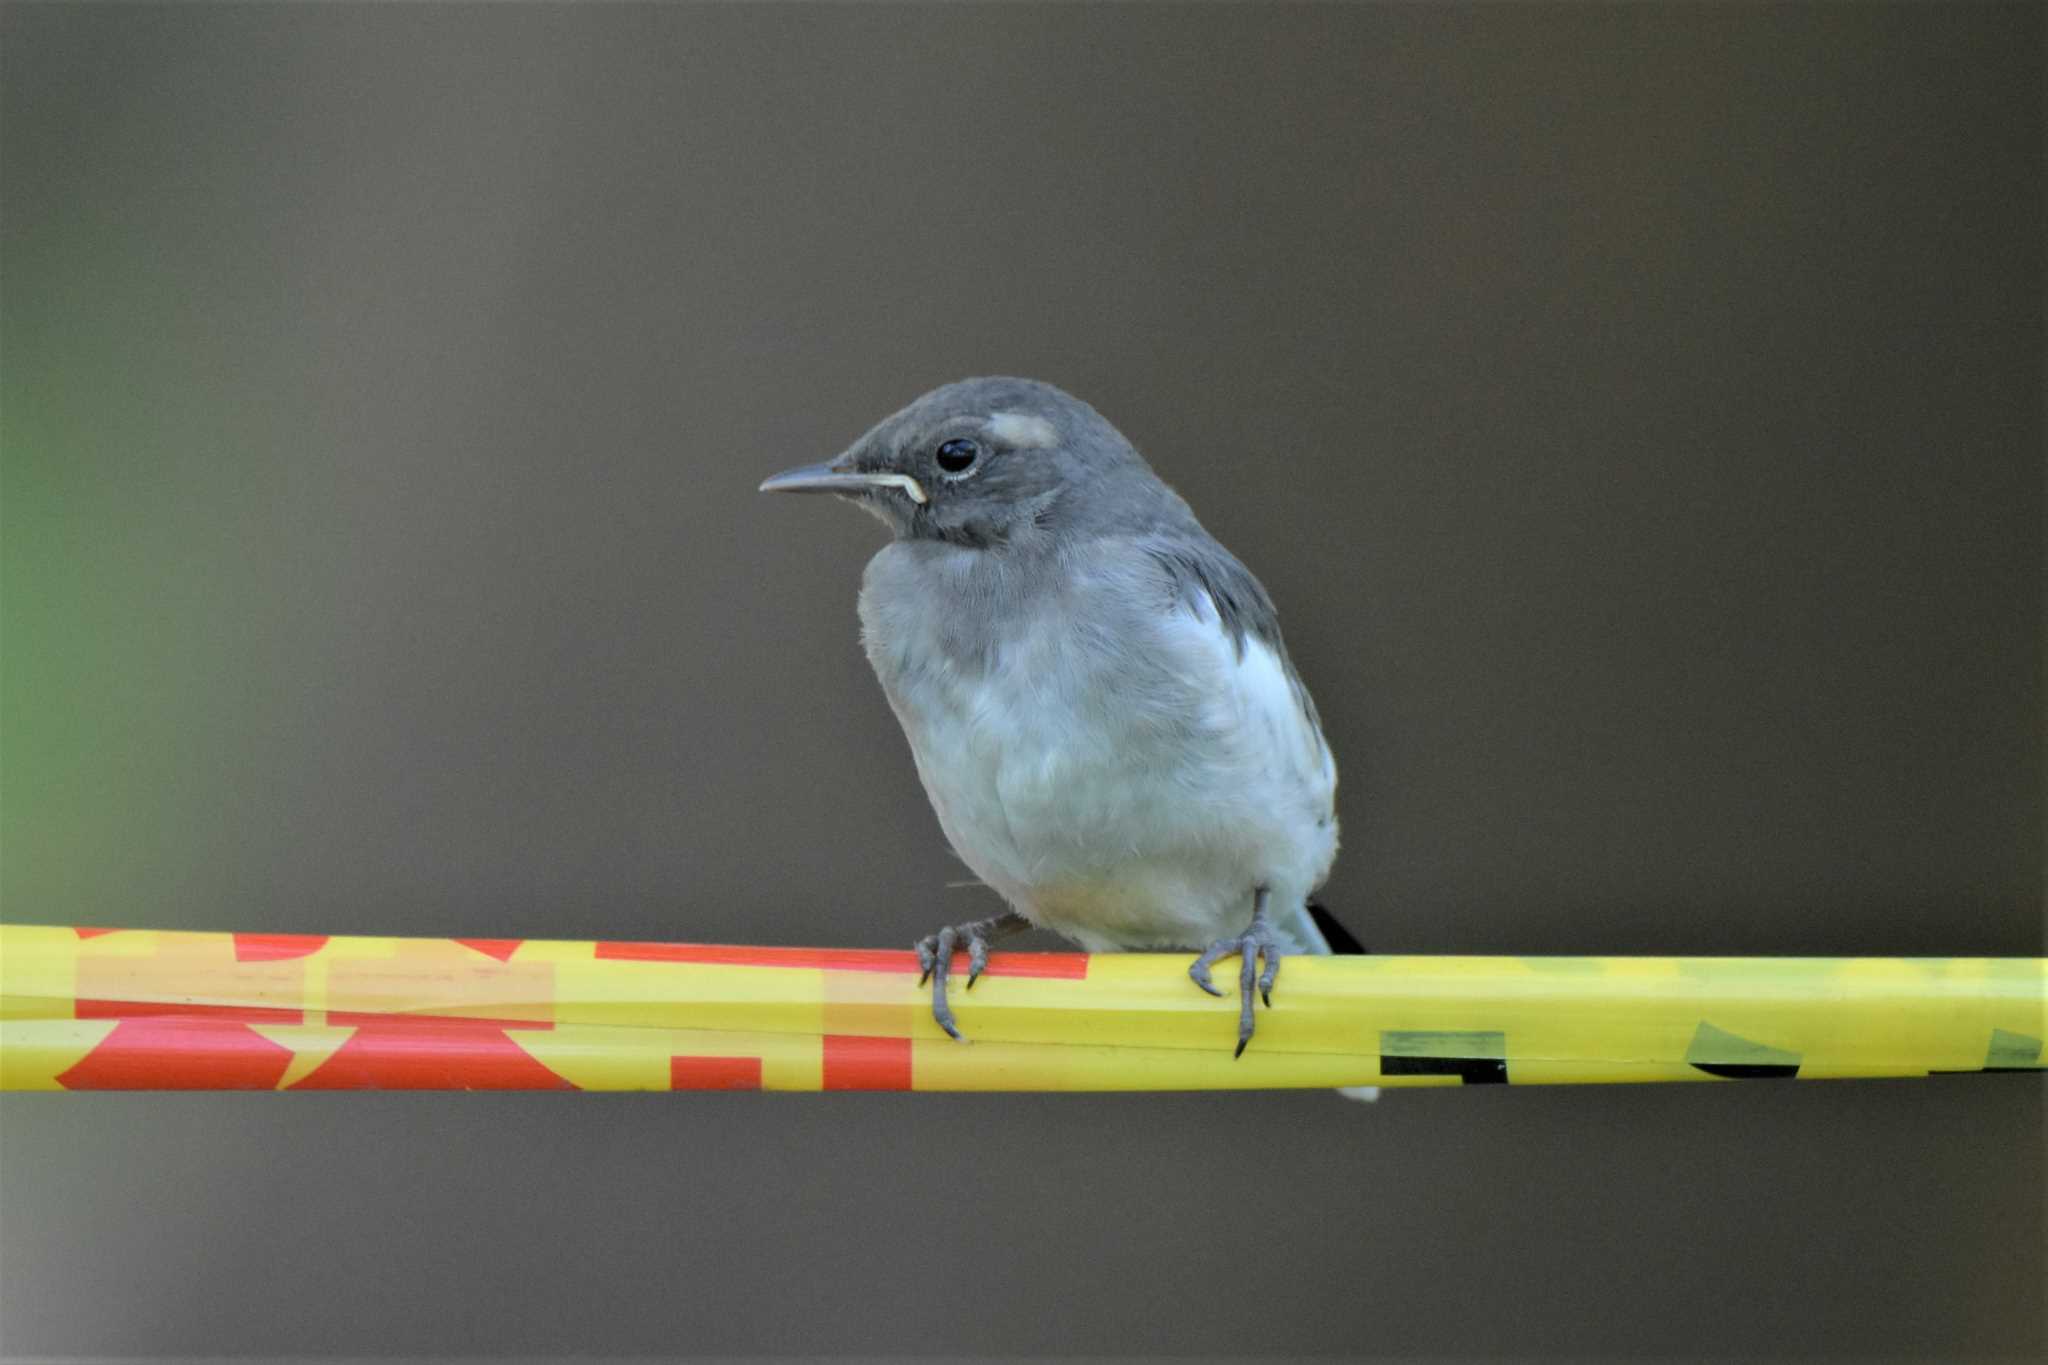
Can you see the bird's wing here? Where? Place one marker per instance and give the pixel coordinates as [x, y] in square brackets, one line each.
[1203, 578]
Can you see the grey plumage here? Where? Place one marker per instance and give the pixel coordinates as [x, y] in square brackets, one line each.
[1095, 691]
[1196, 564]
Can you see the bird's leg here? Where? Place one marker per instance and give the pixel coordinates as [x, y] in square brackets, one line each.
[935, 955]
[1257, 939]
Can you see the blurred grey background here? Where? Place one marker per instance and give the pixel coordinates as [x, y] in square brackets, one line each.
[1636, 411]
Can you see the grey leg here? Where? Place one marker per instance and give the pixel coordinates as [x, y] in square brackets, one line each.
[1257, 939]
[935, 955]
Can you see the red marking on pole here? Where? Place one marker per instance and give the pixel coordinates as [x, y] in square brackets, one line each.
[854, 1062]
[500, 948]
[1059, 966]
[152, 1009]
[180, 1054]
[276, 947]
[431, 1023]
[389, 1053]
[93, 933]
[714, 1073]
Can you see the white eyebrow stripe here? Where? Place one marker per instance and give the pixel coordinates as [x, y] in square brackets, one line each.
[910, 486]
[1022, 430]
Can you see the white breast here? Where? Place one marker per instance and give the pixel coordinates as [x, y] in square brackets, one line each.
[1119, 774]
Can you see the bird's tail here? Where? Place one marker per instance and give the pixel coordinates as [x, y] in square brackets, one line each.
[1336, 938]
[1318, 931]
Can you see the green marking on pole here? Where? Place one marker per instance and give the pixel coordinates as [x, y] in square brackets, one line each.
[1721, 1053]
[1449, 1044]
[2012, 1049]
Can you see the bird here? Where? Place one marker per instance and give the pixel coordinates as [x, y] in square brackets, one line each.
[1095, 691]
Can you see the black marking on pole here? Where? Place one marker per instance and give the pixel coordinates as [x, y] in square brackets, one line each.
[1718, 1052]
[1474, 1058]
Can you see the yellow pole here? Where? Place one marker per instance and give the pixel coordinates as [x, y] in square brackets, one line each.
[142, 1009]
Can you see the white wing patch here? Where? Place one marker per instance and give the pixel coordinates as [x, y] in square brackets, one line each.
[1258, 700]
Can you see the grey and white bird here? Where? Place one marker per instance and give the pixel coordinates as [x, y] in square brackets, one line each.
[1094, 690]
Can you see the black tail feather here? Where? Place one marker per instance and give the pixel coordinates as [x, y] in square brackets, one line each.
[1341, 940]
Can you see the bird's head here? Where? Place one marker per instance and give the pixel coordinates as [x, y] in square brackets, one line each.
[984, 462]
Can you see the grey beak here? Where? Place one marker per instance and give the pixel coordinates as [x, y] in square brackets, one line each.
[813, 478]
[825, 478]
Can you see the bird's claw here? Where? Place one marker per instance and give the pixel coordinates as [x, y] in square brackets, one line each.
[935, 956]
[1256, 942]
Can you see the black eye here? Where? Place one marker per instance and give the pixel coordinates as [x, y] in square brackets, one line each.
[958, 455]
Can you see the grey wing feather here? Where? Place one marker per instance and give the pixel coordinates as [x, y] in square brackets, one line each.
[1196, 566]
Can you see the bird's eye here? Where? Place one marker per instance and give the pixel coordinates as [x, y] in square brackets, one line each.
[957, 456]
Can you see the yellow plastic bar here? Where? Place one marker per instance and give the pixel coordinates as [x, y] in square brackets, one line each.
[92, 1009]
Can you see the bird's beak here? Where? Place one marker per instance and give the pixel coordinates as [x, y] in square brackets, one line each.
[829, 478]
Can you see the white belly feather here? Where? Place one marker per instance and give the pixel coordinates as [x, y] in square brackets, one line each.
[1128, 784]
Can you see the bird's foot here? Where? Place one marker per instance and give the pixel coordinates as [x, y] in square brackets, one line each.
[935, 956]
[1256, 941]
